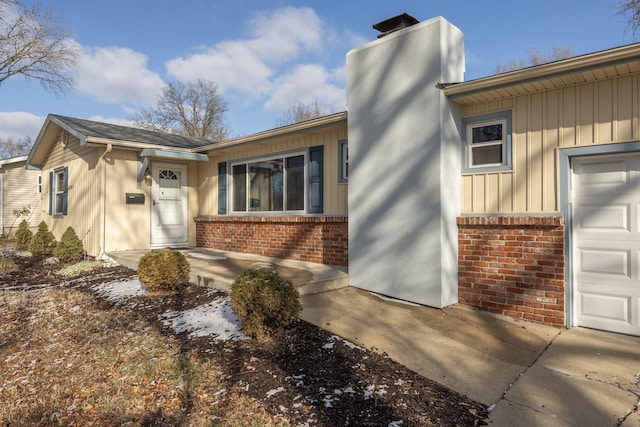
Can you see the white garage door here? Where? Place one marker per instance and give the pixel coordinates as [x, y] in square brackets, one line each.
[606, 242]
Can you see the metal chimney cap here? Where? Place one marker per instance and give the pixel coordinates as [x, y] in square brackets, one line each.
[394, 24]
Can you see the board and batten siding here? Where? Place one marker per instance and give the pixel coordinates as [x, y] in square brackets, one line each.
[601, 112]
[127, 226]
[84, 193]
[19, 190]
[335, 193]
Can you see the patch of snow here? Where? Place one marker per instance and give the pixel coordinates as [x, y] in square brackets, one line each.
[395, 424]
[222, 391]
[120, 291]
[275, 391]
[371, 389]
[215, 318]
[205, 256]
[349, 344]
[108, 261]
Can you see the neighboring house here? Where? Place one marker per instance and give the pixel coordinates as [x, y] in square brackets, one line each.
[19, 188]
[516, 194]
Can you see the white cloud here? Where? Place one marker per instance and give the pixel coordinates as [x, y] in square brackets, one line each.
[308, 83]
[284, 33]
[19, 124]
[232, 65]
[248, 65]
[116, 75]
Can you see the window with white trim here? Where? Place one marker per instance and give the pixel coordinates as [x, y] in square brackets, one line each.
[270, 184]
[39, 184]
[488, 142]
[344, 160]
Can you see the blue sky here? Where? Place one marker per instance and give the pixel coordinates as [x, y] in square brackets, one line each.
[266, 55]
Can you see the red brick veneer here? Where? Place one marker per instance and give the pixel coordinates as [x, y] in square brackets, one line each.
[513, 265]
[321, 239]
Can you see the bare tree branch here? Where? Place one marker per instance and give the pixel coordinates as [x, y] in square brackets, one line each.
[10, 147]
[300, 112]
[34, 45]
[536, 57]
[193, 109]
[631, 8]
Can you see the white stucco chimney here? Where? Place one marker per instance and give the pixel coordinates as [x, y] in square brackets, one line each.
[404, 162]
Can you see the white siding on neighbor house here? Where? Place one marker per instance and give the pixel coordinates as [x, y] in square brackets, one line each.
[601, 112]
[19, 190]
[335, 193]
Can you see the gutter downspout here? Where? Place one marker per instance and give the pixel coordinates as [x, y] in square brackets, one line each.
[103, 203]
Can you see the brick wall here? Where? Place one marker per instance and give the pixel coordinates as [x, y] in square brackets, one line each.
[513, 266]
[322, 239]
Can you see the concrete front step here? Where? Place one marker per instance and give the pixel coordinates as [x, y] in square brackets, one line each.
[218, 269]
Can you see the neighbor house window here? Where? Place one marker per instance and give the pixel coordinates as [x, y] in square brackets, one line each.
[488, 142]
[58, 191]
[343, 155]
[39, 184]
[291, 182]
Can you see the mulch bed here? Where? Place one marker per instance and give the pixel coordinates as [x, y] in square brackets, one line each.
[306, 376]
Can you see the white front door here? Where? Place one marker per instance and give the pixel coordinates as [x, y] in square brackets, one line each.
[169, 215]
[606, 242]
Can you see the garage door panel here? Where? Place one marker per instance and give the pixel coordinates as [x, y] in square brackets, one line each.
[606, 242]
[605, 262]
[593, 217]
[607, 307]
[604, 177]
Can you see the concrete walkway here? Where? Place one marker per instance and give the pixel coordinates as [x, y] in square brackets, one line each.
[528, 374]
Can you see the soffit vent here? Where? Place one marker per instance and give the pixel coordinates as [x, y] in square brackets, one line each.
[394, 24]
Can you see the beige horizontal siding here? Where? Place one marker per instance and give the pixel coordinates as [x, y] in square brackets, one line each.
[19, 190]
[335, 194]
[600, 112]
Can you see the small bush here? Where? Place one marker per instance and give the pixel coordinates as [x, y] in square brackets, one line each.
[264, 302]
[69, 248]
[43, 242]
[164, 270]
[23, 236]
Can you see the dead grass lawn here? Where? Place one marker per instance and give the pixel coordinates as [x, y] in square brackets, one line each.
[66, 361]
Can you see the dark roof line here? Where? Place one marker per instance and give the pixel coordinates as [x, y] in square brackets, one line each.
[90, 128]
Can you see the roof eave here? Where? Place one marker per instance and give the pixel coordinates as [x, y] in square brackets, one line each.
[12, 160]
[544, 71]
[293, 129]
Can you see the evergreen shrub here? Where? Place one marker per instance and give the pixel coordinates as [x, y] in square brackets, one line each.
[264, 302]
[164, 270]
[23, 236]
[43, 242]
[69, 248]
